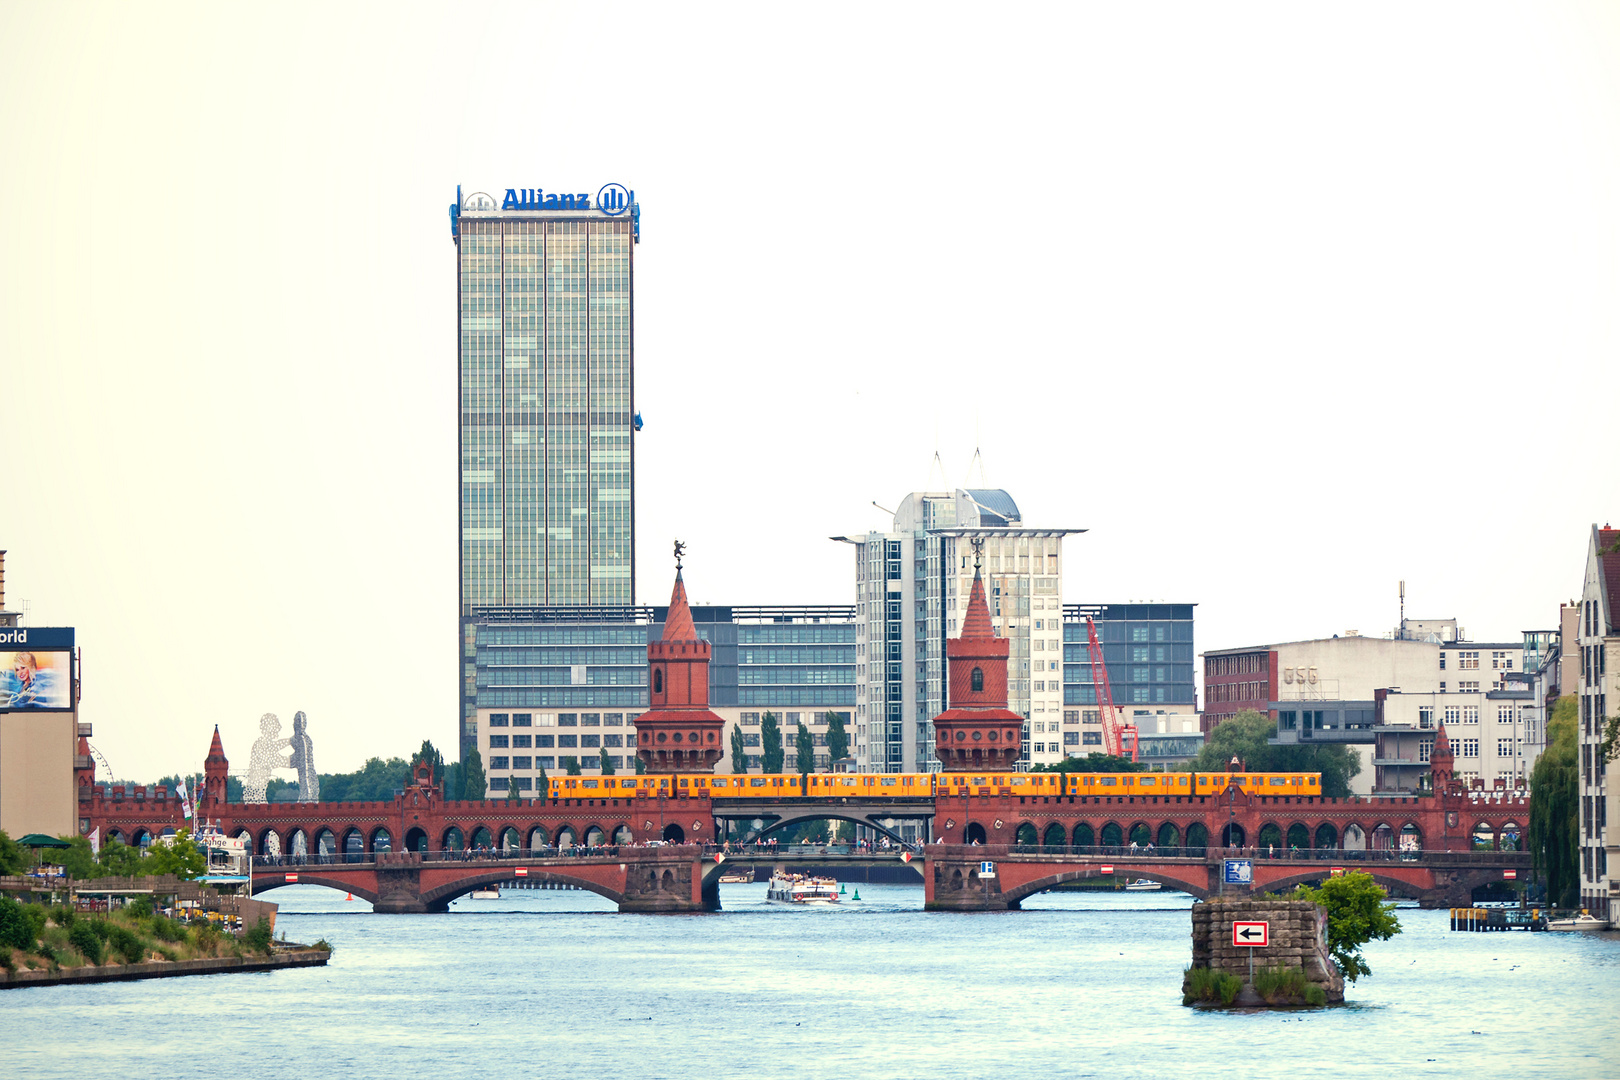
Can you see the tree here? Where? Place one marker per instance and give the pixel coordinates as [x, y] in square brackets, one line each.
[473, 783]
[12, 858]
[120, 860]
[543, 784]
[1244, 737]
[641, 766]
[512, 794]
[1554, 804]
[176, 855]
[1092, 762]
[571, 765]
[739, 752]
[78, 861]
[1357, 913]
[607, 763]
[804, 747]
[770, 735]
[837, 737]
[430, 753]
[375, 782]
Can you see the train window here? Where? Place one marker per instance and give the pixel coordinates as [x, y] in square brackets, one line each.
[1108, 781]
[1147, 781]
[1203, 781]
[719, 781]
[683, 782]
[1312, 781]
[1294, 780]
[758, 781]
[848, 783]
[979, 780]
[589, 783]
[1278, 781]
[888, 781]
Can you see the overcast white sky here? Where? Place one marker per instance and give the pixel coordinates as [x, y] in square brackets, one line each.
[1282, 302]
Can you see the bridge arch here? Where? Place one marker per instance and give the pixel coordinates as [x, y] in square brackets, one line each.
[1355, 837]
[266, 882]
[1316, 875]
[1299, 837]
[1197, 835]
[623, 835]
[269, 843]
[1411, 837]
[1270, 837]
[1327, 837]
[1141, 835]
[416, 839]
[381, 840]
[1025, 834]
[1483, 837]
[1509, 837]
[481, 840]
[974, 833]
[566, 836]
[1232, 835]
[674, 834]
[594, 836]
[510, 840]
[1113, 835]
[538, 838]
[1084, 836]
[325, 843]
[1015, 896]
[439, 899]
[140, 838]
[1054, 837]
[1169, 835]
[354, 842]
[832, 814]
[454, 839]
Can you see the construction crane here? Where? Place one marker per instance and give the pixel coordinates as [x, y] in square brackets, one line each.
[1118, 738]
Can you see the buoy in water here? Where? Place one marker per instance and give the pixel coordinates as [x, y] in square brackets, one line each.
[349, 896]
[840, 888]
[857, 895]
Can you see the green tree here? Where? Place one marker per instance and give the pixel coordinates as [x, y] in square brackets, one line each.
[1357, 913]
[13, 860]
[176, 855]
[452, 780]
[607, 763]
[430, 753]
[512, 792]
[375, 782]
[1092, 762]
[570, 765]
[543, 784]
[641, 766]
[118, 859]
[78, 861]
[1554, 804]
[473, 783]
[804, 748]
[1244, 737]
[770, 736]
[837, 737]
[16, 932]
[739, 752]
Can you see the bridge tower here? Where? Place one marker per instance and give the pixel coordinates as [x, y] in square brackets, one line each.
[977, 732]
[1441, 763]
[215, 767]
[679, 733]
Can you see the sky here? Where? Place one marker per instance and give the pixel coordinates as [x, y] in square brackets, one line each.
[1283, 303]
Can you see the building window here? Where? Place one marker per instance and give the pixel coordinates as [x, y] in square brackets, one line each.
[1426, 716]
[499, 762]
[523, 719]
[1468, 687]
[1502, 661]
[1504, 748]
[1425, 748]
[1091, 738]
[498, 719]
[978, 680]
[545, 741]
[1468, 748]
[498, 742]
[1468, 661]
[519, 761]
[545, 763]
[1470, 714]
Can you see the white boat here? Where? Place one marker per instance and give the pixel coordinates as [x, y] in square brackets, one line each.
[737, 877]
[1142, 885]
[1583, 921]
[490, 893]
[788, 888]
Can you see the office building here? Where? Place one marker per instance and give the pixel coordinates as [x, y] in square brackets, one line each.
[1598, 642]
[546, 415]
[912, 587]
[1148, 653]
[39, 726]
[560, 682]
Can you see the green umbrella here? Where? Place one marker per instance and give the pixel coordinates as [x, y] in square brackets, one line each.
[40, 840]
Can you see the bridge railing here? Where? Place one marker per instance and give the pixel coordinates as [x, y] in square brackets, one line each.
[1202, 854]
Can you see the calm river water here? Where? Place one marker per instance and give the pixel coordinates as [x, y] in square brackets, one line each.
[556, 984]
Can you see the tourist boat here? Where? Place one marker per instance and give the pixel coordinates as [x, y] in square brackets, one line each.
[1584, 921]
[737, 877]
[491, 892]
[1142, 885]
[801, 889]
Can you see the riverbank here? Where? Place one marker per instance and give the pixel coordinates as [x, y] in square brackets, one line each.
[291, 956]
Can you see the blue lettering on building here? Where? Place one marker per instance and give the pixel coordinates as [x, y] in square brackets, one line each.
[537, 199]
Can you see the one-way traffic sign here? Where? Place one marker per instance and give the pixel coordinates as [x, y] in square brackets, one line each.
[1251, 933]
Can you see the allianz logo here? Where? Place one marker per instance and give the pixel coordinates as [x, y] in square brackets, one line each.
[613, 200]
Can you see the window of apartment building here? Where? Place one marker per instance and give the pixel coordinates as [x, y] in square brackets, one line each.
[1468, 661]
[593, 742]
[1426, 716]
[1453, 714]
[545, 762]
[1071, 716]
[523, 719]
[1470, 714]
[498, 719]
[1504, 713]
[1468, 748]
[1091, 738]
[748, 719]
[1468, 687]
[1091, 716]
[499, 783]
[545, 741]
[568, 742]
[497, 742]
[1504, 747]
[1139, 633]
[1442, 661]
[1071, 738]
[1502, 660]
[1139, 654]
[497, 761]
[568, 719]
[613, 719]
[522, 742]
[520, 761]
[612, 740]
[1425, 748]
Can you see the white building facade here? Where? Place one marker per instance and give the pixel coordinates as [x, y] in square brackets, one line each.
[1598, 643]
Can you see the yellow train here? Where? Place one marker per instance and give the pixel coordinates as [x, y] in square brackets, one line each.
[915, 785]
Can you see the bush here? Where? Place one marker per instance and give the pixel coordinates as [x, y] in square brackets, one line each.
[61, 915]
[259, 936]
[15, 930]
[126, 944]
[84, 938]
[35, 914]
[165, 929]
[1280, 983]
[1204, 984]
[1315, 995]
[140, 907]
[207, 940]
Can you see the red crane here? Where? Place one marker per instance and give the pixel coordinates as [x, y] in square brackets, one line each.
[1118, 738]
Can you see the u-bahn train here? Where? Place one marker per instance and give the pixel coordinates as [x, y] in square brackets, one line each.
[929, 785]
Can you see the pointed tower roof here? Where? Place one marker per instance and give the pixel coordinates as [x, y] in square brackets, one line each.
[678, 623]
[976, 624]
[216, 751]
[1442, 745]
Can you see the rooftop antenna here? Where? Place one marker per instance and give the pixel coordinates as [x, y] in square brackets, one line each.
[885, 509]
[944, 481]
[984, 481]
[1403, 609]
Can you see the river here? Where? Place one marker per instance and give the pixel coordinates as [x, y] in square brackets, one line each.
[557, 984]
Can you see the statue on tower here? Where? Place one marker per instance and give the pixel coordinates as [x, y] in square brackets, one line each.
[680, 549]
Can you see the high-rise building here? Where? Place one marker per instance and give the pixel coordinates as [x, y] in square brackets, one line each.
[1148, 652]
[1598, 642]
[912, 588]
[545, 287]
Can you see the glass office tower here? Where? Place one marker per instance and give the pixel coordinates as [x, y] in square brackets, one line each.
[546, 364]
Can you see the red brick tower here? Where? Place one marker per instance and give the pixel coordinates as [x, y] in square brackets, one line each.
[978, 732]
[679, 733]
[215, 768]
[1441, 763]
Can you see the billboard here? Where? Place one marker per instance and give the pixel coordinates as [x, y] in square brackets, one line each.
[36, 679]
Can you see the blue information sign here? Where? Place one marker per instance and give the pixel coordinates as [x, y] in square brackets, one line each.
[1238, 871]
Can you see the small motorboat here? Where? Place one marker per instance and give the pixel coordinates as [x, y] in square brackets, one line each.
[1142, 885]
[489, 893]
[1584, 921]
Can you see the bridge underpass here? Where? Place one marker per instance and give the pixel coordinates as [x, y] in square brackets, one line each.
[777, 814]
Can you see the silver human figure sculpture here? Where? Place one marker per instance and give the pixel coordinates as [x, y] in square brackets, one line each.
[303, 761]
[265, 759]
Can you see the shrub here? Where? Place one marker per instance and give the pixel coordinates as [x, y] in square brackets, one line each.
[84, 938]
[15, 930]
[167, 929]
[140, 907]
[35, 914]
[1280, 983]
[1204, 984]
[259, 936]
[126, 944]
[1315, 995]
[207, 940]
[61, 915]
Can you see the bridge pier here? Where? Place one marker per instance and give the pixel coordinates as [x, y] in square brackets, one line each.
[399, 891]
[952, 885]
[667, 886]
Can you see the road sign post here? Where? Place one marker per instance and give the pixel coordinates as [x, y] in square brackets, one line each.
[1237, 871]
[1251, 935]
[987, 870]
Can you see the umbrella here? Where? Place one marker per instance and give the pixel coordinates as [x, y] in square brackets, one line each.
[40, 840]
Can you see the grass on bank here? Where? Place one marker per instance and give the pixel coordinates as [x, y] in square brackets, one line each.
[34, 936]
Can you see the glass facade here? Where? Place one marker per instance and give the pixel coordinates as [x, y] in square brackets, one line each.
[1147, 648]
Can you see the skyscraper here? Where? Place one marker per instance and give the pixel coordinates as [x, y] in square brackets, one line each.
[544, 286]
